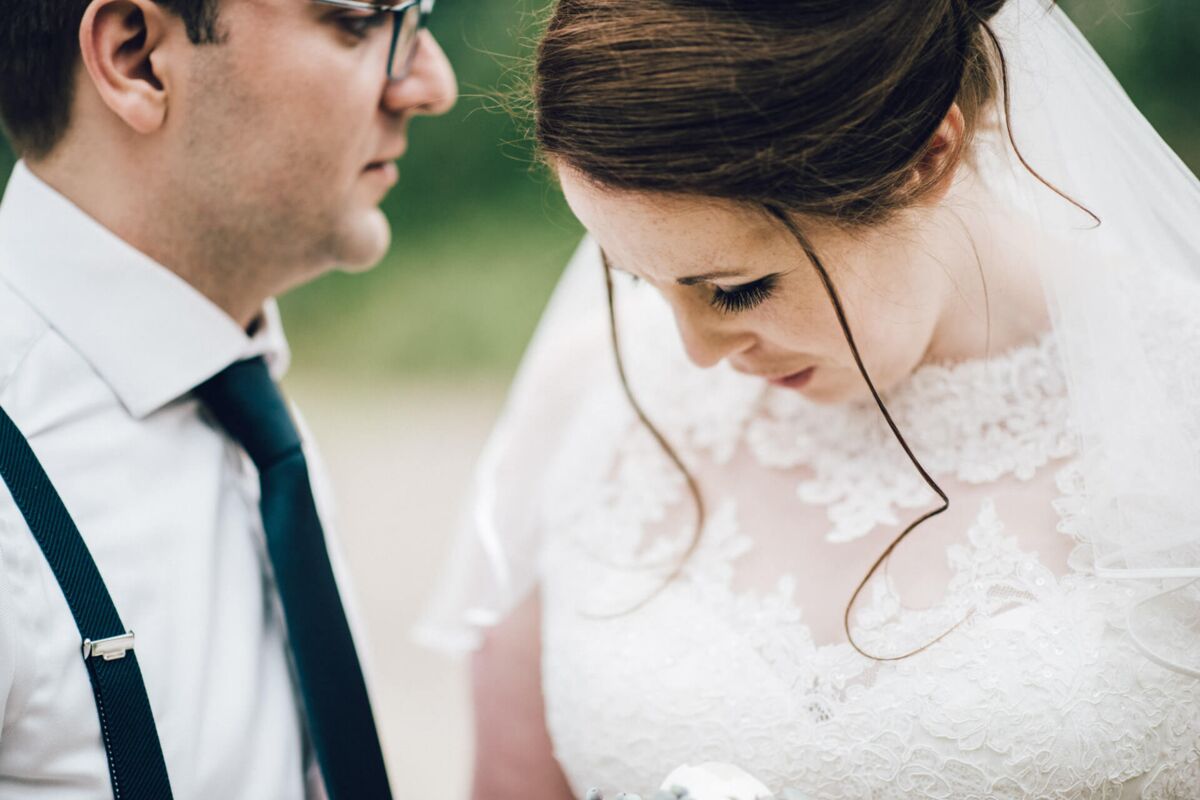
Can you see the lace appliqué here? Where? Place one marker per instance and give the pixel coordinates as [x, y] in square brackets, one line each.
[977, 421]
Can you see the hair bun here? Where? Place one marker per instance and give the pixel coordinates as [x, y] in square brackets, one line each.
[985, 9]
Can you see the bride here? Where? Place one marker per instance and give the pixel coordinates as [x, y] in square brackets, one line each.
[876, 474]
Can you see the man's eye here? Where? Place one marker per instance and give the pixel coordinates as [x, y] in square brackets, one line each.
[363, 23]
[744, 297]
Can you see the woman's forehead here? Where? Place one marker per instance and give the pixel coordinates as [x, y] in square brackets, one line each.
[667, 237]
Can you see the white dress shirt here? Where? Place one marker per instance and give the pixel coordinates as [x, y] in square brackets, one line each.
[99, 348]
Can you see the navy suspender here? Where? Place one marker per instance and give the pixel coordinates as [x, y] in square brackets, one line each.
[135, 759]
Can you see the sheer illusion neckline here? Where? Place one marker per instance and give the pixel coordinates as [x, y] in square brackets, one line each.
[976, 421]
[728, 668]
[971, 422]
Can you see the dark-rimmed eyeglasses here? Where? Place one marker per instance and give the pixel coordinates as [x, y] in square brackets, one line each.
[408, 18]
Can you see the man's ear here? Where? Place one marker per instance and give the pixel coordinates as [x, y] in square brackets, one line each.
[935, 171]
[121, 45]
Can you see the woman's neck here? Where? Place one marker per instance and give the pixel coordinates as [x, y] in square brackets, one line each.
[995, 300]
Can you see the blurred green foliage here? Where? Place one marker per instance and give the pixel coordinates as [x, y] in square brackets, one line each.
[1153, 46]
[481, 234]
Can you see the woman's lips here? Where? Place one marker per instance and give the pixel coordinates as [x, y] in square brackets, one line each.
[797, 380]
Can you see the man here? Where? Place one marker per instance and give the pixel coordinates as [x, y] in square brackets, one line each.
[183, 162]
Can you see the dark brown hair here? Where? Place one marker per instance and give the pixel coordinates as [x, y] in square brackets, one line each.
[821, 107]
[800, 108]
[39, 51]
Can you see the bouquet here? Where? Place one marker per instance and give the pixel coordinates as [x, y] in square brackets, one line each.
[712, 781]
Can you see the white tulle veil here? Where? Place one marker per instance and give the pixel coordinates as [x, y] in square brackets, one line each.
[1120, 313]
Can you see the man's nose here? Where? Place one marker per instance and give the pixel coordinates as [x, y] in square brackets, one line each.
[707, 337]
[430, 86]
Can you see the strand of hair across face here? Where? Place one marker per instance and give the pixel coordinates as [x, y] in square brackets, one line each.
[810, 252]
[781, 215]
[664, 445]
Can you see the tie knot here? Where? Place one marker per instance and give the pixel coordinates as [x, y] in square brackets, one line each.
[245, 400]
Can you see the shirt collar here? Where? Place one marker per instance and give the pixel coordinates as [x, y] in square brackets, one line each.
[148, 334]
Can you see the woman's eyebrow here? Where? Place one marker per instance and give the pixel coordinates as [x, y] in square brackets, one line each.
[689, 280]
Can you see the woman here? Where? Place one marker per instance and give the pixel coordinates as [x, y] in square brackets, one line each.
[906, 508]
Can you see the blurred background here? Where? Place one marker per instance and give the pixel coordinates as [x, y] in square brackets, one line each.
[401, 371]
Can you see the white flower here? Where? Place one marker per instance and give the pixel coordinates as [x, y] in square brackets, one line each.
[715, 781]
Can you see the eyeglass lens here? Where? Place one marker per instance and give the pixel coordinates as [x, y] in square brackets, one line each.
[406, 28]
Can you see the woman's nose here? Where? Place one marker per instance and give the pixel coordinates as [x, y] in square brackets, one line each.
[430, 86]
[708, 338]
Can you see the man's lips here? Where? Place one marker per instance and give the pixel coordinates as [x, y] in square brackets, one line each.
[386, 170]
[386, 165]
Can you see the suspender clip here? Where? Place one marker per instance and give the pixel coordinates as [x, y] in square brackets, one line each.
[109, 649]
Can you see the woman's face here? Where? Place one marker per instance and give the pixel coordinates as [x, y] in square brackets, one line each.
[741, 288]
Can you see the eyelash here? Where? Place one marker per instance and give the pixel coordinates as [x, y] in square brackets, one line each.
[744, 297]
[361, 25]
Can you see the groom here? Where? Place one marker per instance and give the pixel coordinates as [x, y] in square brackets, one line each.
[183, 162]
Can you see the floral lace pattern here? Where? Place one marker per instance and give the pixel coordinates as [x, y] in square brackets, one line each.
[979, 435]
[1036, 691]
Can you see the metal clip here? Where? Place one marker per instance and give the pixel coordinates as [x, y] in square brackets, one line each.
[109, 649]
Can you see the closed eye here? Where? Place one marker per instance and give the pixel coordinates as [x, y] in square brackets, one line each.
[360, 24]
[744, 297]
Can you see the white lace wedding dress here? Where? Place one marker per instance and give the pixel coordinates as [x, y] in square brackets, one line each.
[742, 659]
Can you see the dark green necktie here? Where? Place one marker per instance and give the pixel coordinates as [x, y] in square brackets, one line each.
[246, 401]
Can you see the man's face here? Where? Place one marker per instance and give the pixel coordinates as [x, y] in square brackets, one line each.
[285, 132]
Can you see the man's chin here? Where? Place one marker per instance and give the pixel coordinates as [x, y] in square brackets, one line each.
[366, 244]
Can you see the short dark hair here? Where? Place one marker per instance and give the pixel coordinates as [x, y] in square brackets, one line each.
[39, 50]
